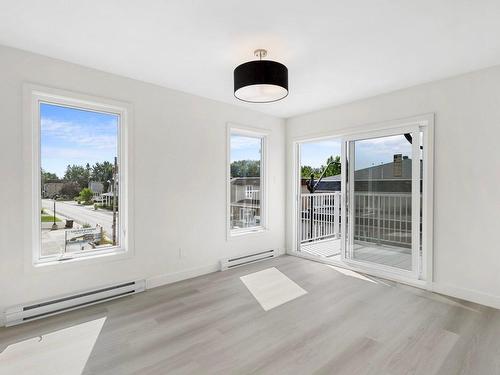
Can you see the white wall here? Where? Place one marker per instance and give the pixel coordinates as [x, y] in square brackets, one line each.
[180, 139]
[466, 172]
[179, 148]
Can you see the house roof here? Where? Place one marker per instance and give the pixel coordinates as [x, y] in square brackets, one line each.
[245, 180]
[379, 172]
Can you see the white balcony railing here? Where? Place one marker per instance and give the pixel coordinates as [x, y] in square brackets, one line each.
[320, 216]
[245, 213]
[383, 218]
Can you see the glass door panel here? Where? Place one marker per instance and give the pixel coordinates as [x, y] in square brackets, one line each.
[384, 196]
[319, 199]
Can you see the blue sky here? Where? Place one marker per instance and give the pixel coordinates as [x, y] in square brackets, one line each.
[315, 154]
[368, 152]
[74, 136]
[377, 151]
[245, 148]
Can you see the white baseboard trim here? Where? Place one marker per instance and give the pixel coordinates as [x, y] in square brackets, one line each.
[471, 295]
[169, 278]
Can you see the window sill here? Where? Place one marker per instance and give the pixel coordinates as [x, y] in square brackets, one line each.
[244, 232]
[57, 264]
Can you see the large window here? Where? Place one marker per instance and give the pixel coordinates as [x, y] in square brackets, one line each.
[78, 178]
[246, 181]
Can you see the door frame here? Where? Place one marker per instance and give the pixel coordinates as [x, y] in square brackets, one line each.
[426, 124]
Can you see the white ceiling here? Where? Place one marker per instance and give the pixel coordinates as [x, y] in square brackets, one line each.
[336, 51]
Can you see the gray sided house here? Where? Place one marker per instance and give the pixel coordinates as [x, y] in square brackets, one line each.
[384, 178]
[50, 189]
[96, 186]
[245, 202]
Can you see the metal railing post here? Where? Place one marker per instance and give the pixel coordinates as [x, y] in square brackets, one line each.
[336, 213]
[378, 219]
[311, 213]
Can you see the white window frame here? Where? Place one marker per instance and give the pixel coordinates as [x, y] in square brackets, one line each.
[34, 95]
[263, 135]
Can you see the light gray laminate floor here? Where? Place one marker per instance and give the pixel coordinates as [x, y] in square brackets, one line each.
[214, 325]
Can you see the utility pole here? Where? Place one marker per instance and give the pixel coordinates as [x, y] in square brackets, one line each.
[54, 225]
[115, 172]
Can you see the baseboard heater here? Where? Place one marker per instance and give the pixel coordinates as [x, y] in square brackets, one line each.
[241, 260]
[41, 309]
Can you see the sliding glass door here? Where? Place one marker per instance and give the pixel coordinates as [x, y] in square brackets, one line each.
[384, 171]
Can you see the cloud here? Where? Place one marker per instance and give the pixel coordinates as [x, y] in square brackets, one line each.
[76, 141]
[316, 153]
[380, 150]
[75, 134]
[69, 154]
[244, 143]
[368, 152]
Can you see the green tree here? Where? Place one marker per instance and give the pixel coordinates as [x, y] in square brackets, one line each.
[306, 171]
[102, 172]
[332, 170]
[48, 176]
[78, 174]
[86, 195]
[245, 168]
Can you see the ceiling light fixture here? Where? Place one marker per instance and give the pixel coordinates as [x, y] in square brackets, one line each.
[261, 81]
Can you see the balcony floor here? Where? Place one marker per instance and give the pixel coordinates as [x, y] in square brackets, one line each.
[324, 248]
[386, 255]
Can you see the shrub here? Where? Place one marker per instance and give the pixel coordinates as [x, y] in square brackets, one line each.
[86, 195]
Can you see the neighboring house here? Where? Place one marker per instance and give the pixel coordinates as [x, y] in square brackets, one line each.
[245, 201]
[97, 188]
[51, 188]
[107, 198]
[384, 178]
[327, 184]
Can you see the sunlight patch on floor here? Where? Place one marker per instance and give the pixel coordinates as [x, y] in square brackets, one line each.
[65, 351]
[352, 274]
[271, 288]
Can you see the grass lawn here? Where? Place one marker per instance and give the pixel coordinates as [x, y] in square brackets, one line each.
[49, 219]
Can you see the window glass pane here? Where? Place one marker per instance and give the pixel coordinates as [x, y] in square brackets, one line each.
[383, 201]
[79, 180]
[320, 198]
[245, 184]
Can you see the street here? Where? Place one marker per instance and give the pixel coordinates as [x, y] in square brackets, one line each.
[82, 214]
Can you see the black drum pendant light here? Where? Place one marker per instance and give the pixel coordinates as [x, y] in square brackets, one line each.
[261, 81]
